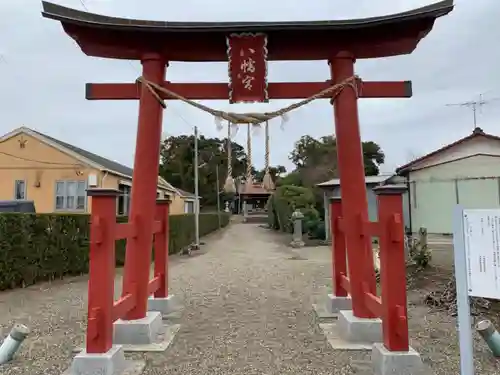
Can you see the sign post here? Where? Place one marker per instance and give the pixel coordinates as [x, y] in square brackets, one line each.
[463, 306]
[476, 243]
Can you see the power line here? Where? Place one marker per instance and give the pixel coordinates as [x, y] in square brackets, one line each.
[475, 105]
[82, 2]
[83, 5]
[39, 161]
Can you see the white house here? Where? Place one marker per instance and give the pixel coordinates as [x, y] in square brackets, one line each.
[466, 172]
[331, 188]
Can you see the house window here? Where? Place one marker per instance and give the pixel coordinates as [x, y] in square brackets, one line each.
[123, 206]
[70, 195]
[20, 190]
[188, 207]
[414, 193]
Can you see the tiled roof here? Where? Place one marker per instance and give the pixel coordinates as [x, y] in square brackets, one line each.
[252, 189]
[104, 163]
[477, 133]
[186, 194]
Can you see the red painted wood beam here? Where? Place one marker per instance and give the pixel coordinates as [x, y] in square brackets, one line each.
[220, 91]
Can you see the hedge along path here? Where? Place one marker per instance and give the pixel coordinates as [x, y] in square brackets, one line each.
[43, 247]
[253, 118]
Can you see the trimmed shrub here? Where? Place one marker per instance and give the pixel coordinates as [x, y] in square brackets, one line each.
[285, 200]
[37, 247]
[316, 230]
[272, 217]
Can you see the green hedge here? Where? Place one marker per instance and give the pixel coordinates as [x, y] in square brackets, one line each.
[49, 246]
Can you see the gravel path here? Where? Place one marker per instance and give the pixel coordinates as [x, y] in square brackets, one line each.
[247, 311]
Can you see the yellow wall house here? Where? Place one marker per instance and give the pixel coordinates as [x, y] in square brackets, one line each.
[55, 175]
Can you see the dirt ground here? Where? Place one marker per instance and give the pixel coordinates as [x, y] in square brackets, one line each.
[247, 310]
[434, 329]
[247, 299]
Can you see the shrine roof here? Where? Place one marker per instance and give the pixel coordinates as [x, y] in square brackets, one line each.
[100, 35]
[253, 189]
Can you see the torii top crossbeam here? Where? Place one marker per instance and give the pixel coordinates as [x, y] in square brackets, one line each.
[120, 38]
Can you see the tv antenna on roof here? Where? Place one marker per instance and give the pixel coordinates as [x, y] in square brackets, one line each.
[475, 105]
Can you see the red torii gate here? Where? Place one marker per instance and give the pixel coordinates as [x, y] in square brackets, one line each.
[155, 43]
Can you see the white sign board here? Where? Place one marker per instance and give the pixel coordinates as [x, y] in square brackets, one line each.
[481, 231]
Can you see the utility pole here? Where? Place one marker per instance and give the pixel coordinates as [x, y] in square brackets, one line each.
[475, 105]
[197, 201]
[218, 193]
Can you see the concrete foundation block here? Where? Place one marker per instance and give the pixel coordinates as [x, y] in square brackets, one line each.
[140, 331]
[162, 342]
[336, 304]
[322, 312]
[112, 362]
[333, 337]
[165, 306]
[385, 362]
[359, 330]
[297, 244]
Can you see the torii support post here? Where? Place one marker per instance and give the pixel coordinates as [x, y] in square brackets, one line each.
[352, 182]
[145, 180]
[104, 313]
[392, 267]
[161, 301]
[339, 299]
[101, 270]
[388, 336]
[394, 355]
[161, 248]
[100, 353]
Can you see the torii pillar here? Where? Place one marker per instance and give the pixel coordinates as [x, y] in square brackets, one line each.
[146, 164]
[352, 178]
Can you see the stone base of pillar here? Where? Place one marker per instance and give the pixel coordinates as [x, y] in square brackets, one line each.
[138, 331]
[165, 306]
[296, 244]
[359, 330]
[336, 304]
[385, 362]
[148, 334]
[331, 306]
[112, 362]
